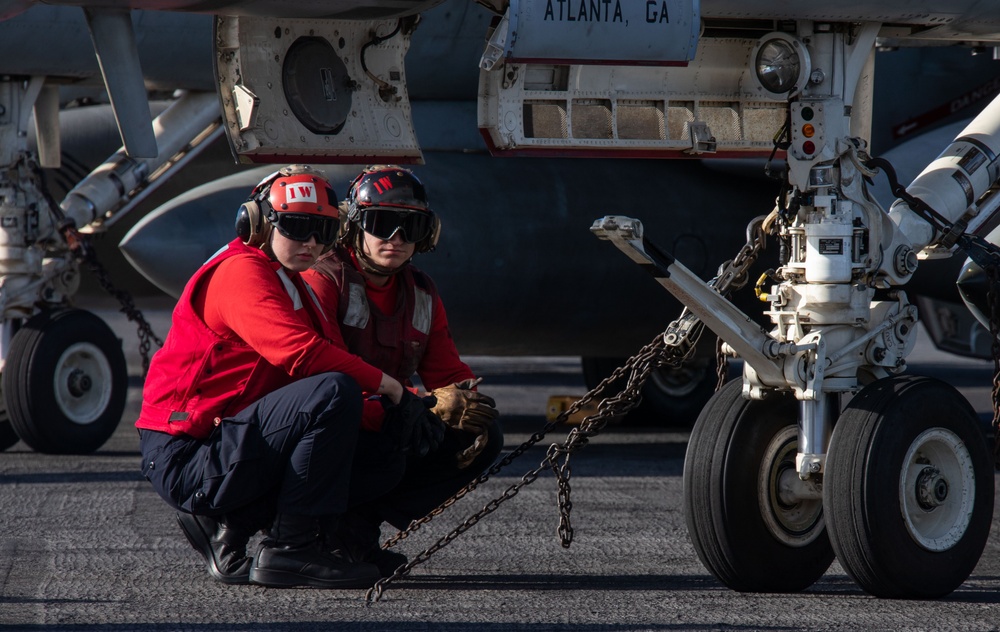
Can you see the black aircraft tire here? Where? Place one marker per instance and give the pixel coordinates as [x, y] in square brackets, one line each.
[908, 488]
[65, 382]
[747, 537]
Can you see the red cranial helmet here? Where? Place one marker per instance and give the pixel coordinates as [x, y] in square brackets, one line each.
[297, 200]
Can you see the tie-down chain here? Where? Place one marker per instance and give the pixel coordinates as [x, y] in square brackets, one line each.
[84, 253]
[983, 253]
[668, 349]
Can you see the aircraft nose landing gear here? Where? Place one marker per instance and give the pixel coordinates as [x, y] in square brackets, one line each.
[778, 479]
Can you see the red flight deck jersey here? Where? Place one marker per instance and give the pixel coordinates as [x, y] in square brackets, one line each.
[244, 327]
[401, 327]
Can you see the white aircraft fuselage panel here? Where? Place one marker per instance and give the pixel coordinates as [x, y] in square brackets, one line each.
[938, 19]
[315, 90]
[710, 106]
[662, 32]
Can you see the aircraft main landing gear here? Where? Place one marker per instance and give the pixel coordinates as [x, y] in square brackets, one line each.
[64, 382]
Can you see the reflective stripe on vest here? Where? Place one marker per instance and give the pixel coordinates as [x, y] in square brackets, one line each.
[423, 306]
[357, 306]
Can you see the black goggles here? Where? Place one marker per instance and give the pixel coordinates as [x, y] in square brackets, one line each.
[302, 226]
[383, 223]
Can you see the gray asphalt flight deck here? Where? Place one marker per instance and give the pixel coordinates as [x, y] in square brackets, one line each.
[86, 544]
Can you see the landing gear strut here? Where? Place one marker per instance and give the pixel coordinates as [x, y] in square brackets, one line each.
[62, 370]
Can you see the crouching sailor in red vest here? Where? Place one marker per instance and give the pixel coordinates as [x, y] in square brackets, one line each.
[389, 313]
[252, 409]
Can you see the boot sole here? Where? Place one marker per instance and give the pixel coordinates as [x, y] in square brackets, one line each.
[202, 543]
[285, 579]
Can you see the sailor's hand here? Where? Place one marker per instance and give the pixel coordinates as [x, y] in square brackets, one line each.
[459, 406]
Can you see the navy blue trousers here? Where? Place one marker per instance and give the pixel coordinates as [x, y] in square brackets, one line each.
[299, 450]
[293, 447]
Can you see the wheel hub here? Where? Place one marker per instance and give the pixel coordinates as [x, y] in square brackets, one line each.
[82, 382]
[932, 488]
[78, 383]
[937, 461]
[793, 513]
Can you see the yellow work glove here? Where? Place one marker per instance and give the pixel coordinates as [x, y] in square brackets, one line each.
[460, 407]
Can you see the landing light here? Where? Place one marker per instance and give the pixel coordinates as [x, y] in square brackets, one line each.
[781, 64]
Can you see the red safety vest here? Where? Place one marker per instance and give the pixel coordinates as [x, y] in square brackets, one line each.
[199, 377]
[393, 342]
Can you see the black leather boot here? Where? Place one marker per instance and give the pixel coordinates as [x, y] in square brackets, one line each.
[294, 555]
[357, 535]
[222, 545]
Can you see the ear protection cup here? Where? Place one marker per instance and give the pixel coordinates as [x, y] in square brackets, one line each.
[251, 227]
[353, 213]
[431, 242]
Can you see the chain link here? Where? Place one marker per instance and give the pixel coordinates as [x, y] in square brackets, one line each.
[733, 276]
[556, 459]
[987, 257]
[83, 253]
[721, 365]
[668, 349]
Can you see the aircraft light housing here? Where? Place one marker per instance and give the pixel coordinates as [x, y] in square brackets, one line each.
[780, 65]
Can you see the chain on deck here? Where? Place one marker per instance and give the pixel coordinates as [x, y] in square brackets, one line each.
[671, 349]
[668, 349]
